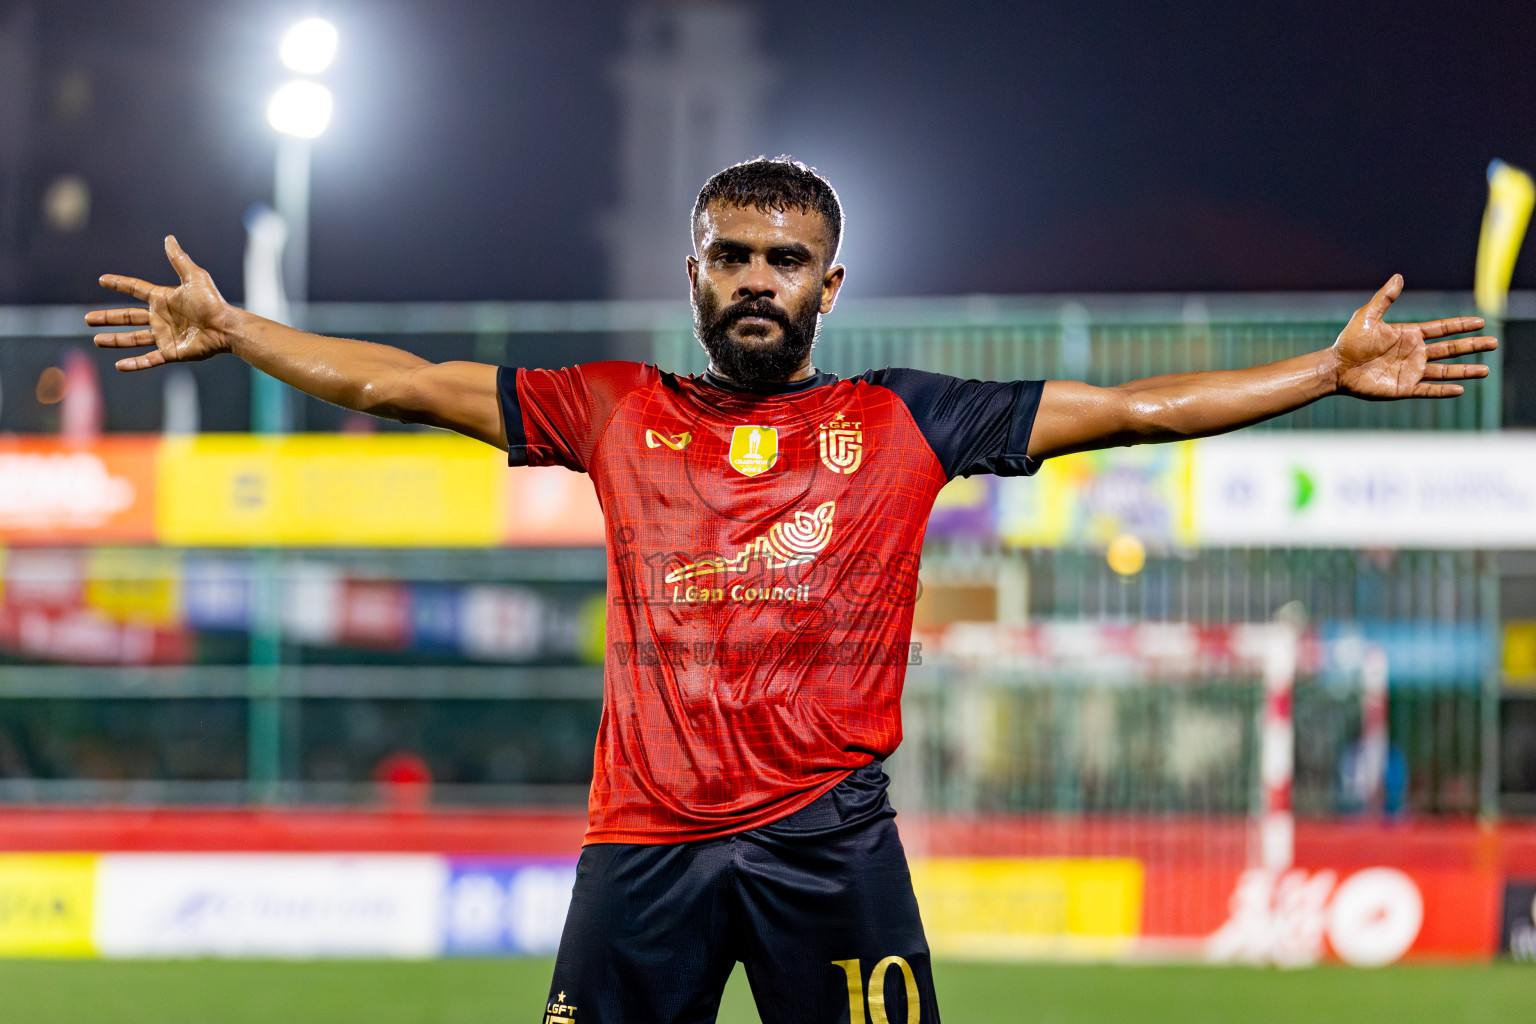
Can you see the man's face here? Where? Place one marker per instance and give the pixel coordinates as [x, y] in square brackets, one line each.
[760, 280]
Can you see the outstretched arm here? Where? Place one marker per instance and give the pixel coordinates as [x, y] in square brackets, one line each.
[192, 321]
[1371, 359]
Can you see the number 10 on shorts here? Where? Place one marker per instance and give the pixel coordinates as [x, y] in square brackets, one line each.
[877, 991]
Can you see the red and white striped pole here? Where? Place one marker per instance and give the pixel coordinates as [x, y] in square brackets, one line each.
[1277, 749]
[1373, 728]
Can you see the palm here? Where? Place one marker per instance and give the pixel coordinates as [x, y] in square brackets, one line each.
[182, 323]
[178, 317]
[1383, 361]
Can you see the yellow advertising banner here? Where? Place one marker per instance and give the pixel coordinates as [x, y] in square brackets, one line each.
[388, 490]
[46, 902]
[138, 585]
[1016, 907]
[1520, 654]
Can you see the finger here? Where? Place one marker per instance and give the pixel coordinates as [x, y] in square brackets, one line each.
[1385, 296]
[1437, 390]
[1452, 325]
[125, 339]
[148, 360]
[1460, 347]
[133, 317]
[1454, 371]
[185, 268]
[128, 285]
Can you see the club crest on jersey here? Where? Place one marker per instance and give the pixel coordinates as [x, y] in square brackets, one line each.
[842, 445]
[754, 449]
[676, 442]
[559, 1012]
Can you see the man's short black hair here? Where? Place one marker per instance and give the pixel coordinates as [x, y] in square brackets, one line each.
[775, 185]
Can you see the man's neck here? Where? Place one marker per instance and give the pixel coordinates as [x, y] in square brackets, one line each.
[805, 372]
[798, 383]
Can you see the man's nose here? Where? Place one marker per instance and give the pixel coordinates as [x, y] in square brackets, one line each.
[757, 282]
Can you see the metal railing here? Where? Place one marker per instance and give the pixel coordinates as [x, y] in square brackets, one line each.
[1101, 339]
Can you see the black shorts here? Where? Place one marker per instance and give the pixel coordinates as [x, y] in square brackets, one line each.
[818, 906]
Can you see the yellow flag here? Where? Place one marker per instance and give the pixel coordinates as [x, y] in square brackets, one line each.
[1510, 196]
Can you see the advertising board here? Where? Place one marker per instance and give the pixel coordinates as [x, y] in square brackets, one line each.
[1370, 490]
[1370, 917]
[1091, 498]
[1362, 892]
[46, 904]
[1294, 488]
[548, 506]
[1029, 907]
[58, 492]
[497, 906]
[319, 489]
[269, 905]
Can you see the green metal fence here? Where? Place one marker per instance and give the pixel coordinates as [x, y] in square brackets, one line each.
[1044, 749]
[993, 743]
[1105, 342]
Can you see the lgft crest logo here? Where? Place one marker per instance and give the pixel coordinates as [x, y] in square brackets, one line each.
[842, 445]
[559, 1012]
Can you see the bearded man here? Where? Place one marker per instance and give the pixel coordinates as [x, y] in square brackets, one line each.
[763, 527]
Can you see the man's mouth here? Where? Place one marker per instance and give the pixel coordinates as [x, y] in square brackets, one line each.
[754, 325]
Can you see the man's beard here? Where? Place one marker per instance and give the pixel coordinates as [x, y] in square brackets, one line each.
[755, 362]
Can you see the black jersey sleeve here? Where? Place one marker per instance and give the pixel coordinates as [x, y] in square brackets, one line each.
[973, 426]
[512, 416]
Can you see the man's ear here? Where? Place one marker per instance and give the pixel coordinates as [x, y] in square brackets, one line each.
[693, 275]
[831, 283]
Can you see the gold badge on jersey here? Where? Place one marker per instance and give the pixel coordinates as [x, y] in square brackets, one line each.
[676, 442]
[842, 445]
[754, 449]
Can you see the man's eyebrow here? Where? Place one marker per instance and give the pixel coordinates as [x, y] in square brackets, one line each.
[799, 250]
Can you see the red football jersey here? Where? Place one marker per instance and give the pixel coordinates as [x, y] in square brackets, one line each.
[762, 569]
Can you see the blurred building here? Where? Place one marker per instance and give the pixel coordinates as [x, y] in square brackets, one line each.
[692, 89]
[17, 54]
[86, 123]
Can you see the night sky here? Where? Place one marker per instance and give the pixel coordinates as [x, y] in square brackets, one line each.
[1008, 148]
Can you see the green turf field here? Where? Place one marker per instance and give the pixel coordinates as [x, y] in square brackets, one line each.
[479, 991]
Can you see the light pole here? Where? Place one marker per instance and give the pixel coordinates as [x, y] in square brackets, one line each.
[299, 110]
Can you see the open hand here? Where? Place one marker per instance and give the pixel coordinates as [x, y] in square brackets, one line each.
[1380, 361]
[184, 323]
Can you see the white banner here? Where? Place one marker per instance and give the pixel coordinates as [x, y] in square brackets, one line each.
[269, 905]
[1366, 489]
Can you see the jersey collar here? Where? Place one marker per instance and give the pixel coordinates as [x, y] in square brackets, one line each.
[817, 380]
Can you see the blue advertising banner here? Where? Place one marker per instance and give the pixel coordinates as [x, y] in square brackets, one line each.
[499, 906]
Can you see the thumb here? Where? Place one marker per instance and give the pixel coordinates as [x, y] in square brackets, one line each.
[185, 268]
[1384, 297]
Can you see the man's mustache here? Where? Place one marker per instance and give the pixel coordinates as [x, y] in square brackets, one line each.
[752, 307]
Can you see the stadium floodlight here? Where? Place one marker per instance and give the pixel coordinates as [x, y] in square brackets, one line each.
[310, 46]
[300, 108]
